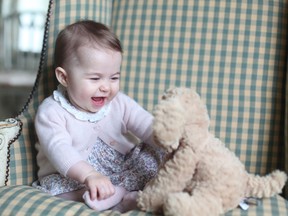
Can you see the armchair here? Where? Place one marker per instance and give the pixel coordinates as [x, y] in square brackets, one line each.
[234, 53]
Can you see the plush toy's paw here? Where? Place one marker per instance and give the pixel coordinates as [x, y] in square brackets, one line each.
[150, 202]
[177, 204]
[143, 201]
[183, 204]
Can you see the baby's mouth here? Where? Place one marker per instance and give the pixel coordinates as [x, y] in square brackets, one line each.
[99, 101]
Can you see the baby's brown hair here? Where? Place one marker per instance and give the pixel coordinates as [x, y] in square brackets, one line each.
[83, 33]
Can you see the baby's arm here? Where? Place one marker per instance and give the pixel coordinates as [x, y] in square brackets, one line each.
[99, 186]
[102, 194]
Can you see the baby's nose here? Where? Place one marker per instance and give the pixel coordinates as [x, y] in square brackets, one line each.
[104, 87]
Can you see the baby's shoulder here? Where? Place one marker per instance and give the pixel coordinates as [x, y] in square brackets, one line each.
[47, 102]
[49, 105]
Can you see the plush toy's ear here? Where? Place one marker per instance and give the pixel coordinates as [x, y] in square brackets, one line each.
[196, 109]
[168, 123]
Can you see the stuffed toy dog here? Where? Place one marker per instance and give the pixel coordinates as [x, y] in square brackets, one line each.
[201, 176]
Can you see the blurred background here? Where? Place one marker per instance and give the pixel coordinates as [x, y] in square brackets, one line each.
[21, 33]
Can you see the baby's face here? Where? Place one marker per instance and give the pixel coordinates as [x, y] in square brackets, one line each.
[93, 78]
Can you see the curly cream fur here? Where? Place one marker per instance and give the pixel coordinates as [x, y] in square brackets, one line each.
[201, 176]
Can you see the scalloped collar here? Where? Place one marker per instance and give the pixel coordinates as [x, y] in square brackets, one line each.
[59, 96]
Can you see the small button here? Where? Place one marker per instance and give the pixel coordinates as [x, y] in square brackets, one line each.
[112, 143]
[96, 127]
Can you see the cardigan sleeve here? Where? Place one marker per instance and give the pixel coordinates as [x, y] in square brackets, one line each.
[54, 140]
[137, 120]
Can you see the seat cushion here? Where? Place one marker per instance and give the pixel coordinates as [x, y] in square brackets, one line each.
[27, 200]
[30, 201]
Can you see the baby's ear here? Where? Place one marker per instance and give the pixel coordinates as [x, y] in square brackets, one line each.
[61, 76]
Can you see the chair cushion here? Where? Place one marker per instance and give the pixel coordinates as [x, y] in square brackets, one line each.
[30, 201]
[230, 51]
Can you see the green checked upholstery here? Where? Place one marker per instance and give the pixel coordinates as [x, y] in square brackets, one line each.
[234, 53]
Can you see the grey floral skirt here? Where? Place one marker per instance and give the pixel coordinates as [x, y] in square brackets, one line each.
[131, 171]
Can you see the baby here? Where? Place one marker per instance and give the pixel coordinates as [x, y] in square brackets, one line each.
[85, 150]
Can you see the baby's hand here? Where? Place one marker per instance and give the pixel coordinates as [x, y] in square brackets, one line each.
[100, 186]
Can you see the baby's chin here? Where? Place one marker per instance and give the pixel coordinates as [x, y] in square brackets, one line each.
[89, 110]
[95, 109]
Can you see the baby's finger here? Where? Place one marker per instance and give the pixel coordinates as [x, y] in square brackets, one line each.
[111, 190]
[107, 191]
[102, 193]
[93, 193]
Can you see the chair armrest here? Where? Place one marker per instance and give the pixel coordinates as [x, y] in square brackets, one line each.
[9, 132]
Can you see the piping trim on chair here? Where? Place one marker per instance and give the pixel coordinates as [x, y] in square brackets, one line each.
[42, 58]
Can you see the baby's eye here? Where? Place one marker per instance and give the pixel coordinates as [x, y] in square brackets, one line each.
[115, 77]
[94, 78]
